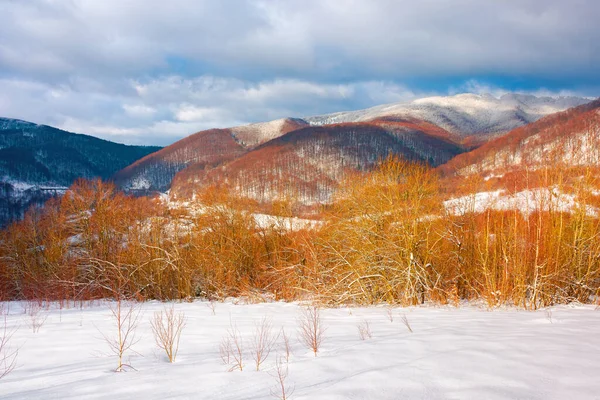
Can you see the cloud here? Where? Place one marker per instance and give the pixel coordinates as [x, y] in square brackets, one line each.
[162, 110]
[152, 72]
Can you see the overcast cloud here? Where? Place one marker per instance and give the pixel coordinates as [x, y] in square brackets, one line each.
[151, 72]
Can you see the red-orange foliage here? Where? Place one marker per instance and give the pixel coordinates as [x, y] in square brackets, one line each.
[385, 238]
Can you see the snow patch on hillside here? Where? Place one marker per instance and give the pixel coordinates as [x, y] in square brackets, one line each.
[526, 202]
[254, 134]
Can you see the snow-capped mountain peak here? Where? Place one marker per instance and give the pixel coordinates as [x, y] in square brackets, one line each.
[464, 114]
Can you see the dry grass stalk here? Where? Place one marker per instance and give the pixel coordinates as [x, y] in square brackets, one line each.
[286, 345]
[167, 326]
[364, 330]
[212, 306]
[406, 323]
[390, 313]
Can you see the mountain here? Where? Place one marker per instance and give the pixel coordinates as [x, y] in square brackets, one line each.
[307, 163]
[205, 149]
[313, 152]
[570, 138]
[37, 161]
[464, 114]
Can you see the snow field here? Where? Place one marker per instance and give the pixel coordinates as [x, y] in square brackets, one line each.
[453, 353]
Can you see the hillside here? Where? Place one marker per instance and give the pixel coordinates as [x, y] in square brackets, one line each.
[308, 163]
[571, 138]
[203, 149]
[40, 154]
[36, 161]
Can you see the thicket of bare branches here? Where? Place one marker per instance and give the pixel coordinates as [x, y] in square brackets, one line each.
[385, 238]
[167, 326]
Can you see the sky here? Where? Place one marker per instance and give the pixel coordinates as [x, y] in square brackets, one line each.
[154, 71]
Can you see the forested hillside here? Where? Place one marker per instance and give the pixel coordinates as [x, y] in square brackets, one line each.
[39, 161]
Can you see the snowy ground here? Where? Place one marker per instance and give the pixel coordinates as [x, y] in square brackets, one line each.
[453, 353]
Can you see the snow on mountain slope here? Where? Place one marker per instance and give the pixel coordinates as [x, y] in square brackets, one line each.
[464, 114]
[254, 134]
[569, 138]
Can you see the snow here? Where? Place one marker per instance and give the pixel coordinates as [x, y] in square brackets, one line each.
[464, 114]
[254, 134]
[194, 208]
[18, 186]
[526, 201]
[287, 223]
[11, 123]
[140, 182]
[453, 353]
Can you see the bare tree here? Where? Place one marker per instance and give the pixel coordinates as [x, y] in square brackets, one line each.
[364, 330]
[282, 391]
[262, 342]
[167, 326]
[8, 356]
[312, 331]
[126, 316]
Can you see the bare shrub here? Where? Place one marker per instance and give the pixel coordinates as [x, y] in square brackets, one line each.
[225, 350]
[212, 306]
[126, 317]
[312, 331]
[8, 356]
[262, 342]
[231, 348]
[364, 330]
[286, 345]
[282, 391]
[406, 323]
[36, 314]
[167, 326]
